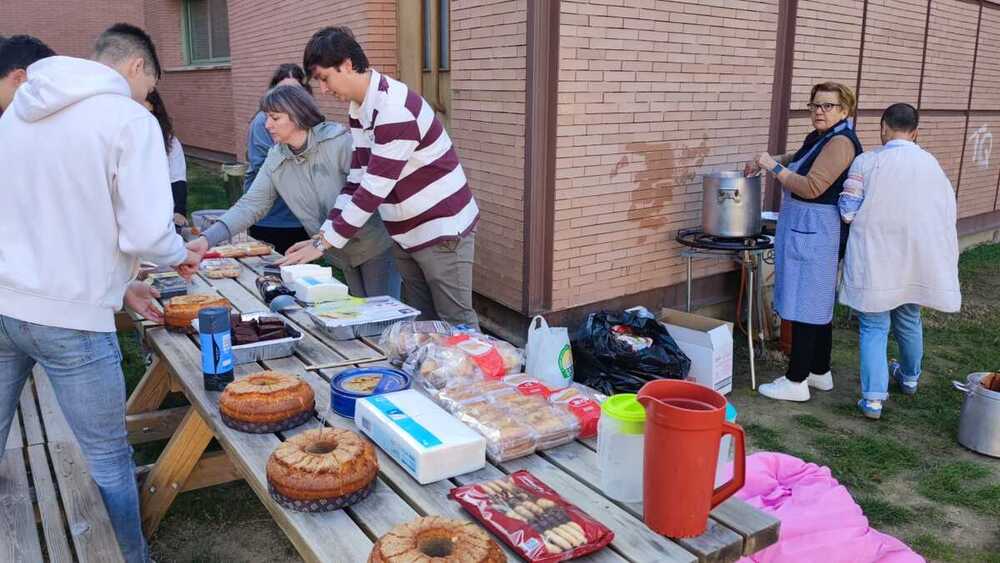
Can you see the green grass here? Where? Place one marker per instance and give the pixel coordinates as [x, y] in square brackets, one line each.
[931, 547]
[810, 421]
[962, 483]
[864, 461]
[882, 513]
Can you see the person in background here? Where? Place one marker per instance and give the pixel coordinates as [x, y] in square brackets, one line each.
[404, 170]
[86, 196]
[307, 167]
[175, 157]
[902, 253]
[279, 227]
[810, 238]
[17, 53]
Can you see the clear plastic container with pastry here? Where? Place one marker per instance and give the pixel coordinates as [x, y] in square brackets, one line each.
[552, 426]
[435, 365]
[437, 539]
[217, 268]
[405, 337]
[322, 469]
[462, 392]
[506, 437]
[267, 401]
[179, 311]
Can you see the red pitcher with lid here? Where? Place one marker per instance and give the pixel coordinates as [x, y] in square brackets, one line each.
[684, 425]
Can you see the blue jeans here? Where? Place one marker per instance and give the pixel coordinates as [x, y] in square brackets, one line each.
[909, 332]
[85, 371]
[375, 277]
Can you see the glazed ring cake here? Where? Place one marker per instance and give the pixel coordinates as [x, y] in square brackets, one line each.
[436, 539]
[181, 310]
[322, 469]
[268, 401]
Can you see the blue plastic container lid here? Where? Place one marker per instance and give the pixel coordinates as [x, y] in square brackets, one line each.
[390, 380]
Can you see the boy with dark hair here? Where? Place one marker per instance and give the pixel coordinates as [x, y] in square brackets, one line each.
[902, 253]
[405, 168]
[86, 196]
[17, 53]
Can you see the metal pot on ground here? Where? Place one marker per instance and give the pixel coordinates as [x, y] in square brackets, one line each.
[979, 426]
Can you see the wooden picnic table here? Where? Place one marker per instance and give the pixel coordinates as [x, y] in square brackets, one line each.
[735, 529]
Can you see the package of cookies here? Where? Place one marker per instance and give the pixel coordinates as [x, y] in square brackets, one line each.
[527, 385]
[533, 519]
[405, 337]
[583, 403]
[506, 437]
[436, 365]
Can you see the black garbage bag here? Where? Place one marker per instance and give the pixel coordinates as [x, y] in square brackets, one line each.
[620, 352]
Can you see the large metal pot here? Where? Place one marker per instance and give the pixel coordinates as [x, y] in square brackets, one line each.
[731, 205]
[979, 427]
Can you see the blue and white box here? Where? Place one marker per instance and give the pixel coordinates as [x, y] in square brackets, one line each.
[422, 437]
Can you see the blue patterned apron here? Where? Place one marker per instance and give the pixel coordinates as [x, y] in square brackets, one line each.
[806, 249]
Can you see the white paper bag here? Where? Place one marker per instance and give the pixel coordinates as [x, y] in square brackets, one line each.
[549, 357]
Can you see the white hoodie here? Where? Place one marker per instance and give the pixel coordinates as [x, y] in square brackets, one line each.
[84, 194]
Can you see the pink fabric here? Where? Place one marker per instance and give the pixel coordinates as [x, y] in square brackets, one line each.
[819, 519]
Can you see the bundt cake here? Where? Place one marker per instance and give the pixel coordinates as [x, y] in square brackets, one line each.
[267, 401]
[181, 310]
[436, 539]
[322, 469]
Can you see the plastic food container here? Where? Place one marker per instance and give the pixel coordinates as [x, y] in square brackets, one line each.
[506, 437]
[353, 384]
[620, 443]
[266, 350]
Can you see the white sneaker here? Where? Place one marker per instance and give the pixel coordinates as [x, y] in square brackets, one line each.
[822, 382]
[785, 390]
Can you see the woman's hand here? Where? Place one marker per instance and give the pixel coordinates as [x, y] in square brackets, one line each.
[139, 297]
[765, 161]
[751, 168]
[301, 253]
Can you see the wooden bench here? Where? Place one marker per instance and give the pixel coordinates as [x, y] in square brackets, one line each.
[50, 507]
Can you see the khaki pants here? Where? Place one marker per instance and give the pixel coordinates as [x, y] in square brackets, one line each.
[438, 280]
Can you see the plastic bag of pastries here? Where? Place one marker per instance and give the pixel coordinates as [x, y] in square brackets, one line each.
[506, 437]
[462, 392]
[402, 339]
[552, 426]
[436, 366]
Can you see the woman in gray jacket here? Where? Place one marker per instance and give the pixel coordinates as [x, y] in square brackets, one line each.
[307, 167]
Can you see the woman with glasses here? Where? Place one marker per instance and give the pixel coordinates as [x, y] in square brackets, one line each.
[811, 238]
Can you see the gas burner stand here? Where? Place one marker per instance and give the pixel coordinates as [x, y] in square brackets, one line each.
[749, 252]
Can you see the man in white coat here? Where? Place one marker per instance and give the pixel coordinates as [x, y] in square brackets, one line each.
[86, 195]
[902, 253]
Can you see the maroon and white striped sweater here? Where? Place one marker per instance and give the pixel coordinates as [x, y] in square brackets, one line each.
[404, 166]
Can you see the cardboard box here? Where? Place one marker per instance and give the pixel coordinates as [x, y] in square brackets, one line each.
[428, 442]
[709, 344]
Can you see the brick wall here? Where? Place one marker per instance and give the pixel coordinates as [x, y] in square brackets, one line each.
[70, 28]
[651, 96]
[264, 35]
[488, 46]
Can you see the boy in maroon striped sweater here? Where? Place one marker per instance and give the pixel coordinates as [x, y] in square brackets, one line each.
[405, 168]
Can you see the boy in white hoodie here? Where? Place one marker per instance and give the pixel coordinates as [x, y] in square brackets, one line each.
[86, 195]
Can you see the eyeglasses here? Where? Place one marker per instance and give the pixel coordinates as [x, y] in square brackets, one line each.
[827, 108]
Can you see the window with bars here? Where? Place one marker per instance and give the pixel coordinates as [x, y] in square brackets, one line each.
[206, 31]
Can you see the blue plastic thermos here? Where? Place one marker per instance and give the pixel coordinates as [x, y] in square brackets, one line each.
[216, 347]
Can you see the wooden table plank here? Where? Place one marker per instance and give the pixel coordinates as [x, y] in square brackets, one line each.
[57, 547]
[18, 536]
[151, 390]
[32, 424]
[718, 543]
[310, 533]
[759, 529]
[152, 426]
[14, 439]
[632, 539]
[89, 524]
